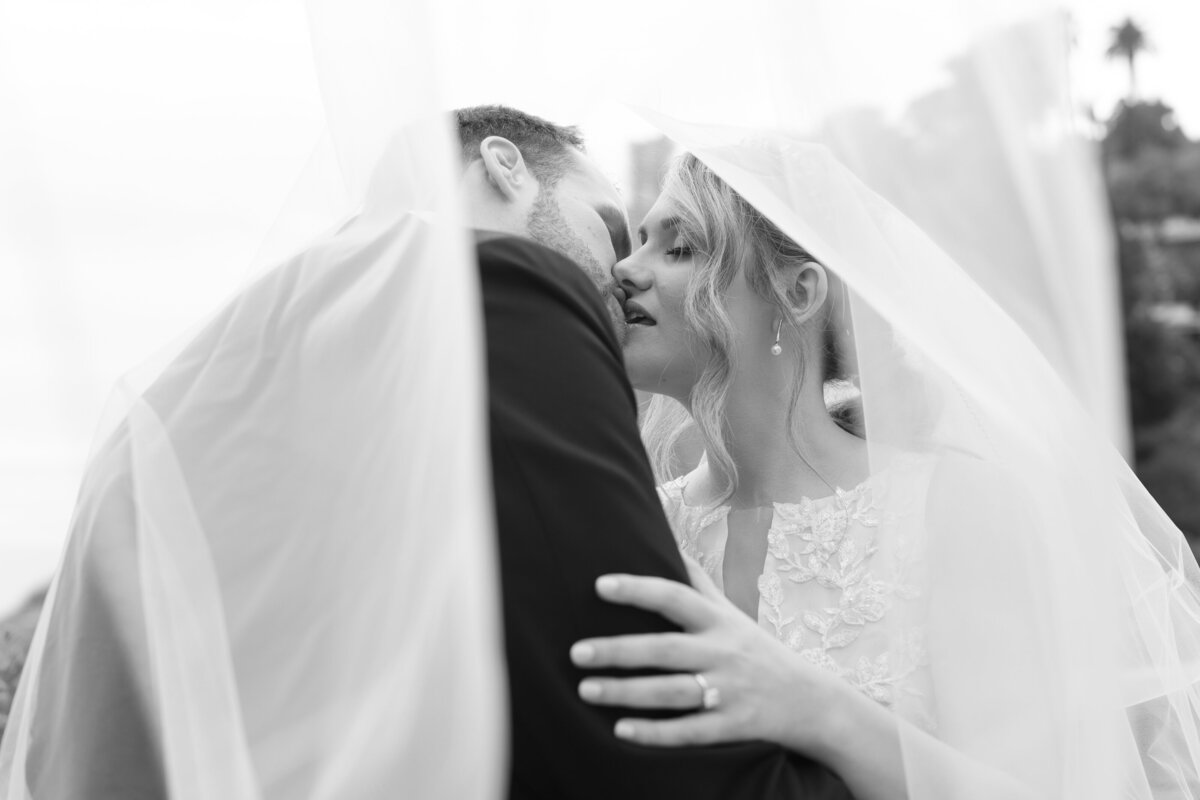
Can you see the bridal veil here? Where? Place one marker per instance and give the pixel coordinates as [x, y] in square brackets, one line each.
[280, 573]
[285, 527]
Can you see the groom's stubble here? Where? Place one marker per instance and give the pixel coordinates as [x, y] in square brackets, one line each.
[548, 227]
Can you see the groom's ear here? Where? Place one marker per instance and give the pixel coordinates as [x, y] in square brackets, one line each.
[506, 168]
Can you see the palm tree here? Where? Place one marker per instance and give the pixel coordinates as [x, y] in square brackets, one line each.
[1128, 42]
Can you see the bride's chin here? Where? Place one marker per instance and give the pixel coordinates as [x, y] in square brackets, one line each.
[647, 380]
[638, 377]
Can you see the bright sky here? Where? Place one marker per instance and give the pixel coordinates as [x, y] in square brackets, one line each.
[146, 147]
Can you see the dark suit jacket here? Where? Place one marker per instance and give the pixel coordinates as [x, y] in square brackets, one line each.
[574, 500]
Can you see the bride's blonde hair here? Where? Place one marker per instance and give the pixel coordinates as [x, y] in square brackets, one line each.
[726, 234]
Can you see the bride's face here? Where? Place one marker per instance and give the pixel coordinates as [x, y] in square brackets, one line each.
[664, 353]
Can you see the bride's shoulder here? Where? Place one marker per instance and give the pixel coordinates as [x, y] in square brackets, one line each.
[678, 492]
[671, 492]
[964, 485]
[954, 470]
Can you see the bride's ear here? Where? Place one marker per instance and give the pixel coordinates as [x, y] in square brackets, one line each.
[808, 290]
[506, 168]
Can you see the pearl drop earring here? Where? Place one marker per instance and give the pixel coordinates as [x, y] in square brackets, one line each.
[777, 348]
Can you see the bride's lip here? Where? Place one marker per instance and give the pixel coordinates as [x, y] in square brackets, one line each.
[636, 315]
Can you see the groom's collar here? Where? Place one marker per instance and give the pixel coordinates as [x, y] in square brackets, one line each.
[482, 235]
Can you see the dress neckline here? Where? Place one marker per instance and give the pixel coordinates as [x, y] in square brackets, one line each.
[839, 496]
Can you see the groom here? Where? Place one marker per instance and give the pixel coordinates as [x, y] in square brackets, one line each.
[574, 492]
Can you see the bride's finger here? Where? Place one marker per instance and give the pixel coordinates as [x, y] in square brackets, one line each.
[678, 602]
[668, 651]
[658, 691]
[693, 729]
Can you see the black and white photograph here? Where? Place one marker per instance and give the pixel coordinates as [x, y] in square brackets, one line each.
[529, 400]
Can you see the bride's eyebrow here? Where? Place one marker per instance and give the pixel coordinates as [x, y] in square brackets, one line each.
[668, 224]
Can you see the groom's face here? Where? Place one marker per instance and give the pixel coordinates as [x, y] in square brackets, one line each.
[582, 217]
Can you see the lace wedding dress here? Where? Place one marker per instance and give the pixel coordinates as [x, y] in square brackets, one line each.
[829, 589]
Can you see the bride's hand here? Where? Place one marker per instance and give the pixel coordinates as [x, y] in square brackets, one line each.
[763, 689]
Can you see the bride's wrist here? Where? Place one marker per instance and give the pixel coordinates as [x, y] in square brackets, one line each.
[832, 711]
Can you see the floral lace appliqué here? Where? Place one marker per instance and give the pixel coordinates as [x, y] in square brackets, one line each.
[825, 587]
[688, 522]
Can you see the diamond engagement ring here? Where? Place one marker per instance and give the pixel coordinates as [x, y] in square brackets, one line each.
[710, 697]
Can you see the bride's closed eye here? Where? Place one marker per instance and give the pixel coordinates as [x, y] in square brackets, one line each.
[680, 252]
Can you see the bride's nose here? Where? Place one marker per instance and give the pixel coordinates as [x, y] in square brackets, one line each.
[631, 276]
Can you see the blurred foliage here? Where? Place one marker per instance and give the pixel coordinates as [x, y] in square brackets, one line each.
[16, 634]
[1137, 127]
[1172, 470]
[1153, 170]
[1153, 174]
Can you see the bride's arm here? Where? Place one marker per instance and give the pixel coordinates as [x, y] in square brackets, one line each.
[767, 692]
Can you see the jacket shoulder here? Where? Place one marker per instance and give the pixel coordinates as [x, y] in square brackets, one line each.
[503, 253]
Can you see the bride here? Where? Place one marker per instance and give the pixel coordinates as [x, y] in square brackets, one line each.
[918, 628]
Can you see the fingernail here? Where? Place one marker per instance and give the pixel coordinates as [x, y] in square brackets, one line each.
[624, 729]
[606, 584]
[582, 653]
[589, 690]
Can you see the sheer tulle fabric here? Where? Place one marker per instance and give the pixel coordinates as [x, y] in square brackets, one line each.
[280, 573]
[280, 579]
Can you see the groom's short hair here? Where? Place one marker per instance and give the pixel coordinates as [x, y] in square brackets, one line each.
[546, 147]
